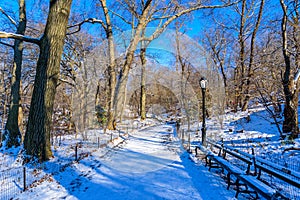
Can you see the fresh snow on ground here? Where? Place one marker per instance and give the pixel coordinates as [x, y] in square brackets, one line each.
[147, 163]
[150, 164]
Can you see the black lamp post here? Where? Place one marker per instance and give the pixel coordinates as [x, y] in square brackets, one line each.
[203, 85]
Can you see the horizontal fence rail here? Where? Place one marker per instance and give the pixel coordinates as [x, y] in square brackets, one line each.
[283, 178]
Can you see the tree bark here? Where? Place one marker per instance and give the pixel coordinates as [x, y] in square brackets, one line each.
[240, 70]
[122, 82]
[12, 125]
[183, 78]
[143, 84]
[111, 69]
[290, 87]
[37, 137]
[251, 61]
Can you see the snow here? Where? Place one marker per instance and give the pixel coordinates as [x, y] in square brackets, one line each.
[148, 163]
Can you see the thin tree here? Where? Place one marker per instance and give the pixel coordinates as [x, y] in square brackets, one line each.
[12, 126]
[143, 97]
[290, 81]
[245, 64]
[249, 73]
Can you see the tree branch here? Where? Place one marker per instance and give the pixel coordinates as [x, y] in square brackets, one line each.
[10, 19]
[8, 45]
[296, 78]
[131, 8]
[19, 37]
[67, 82]
[121, 17]
[89, 20]
[183, 12]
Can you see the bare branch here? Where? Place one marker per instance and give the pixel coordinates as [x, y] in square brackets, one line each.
[183, 12]
[8, 45]
[10, 19]
[297, 76]
[89, 20]
[67, 82]
[131, 8]
[19, 37]
[121, 17]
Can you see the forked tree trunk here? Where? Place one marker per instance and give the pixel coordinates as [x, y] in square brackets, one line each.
[120, 91]
[37, 138]
[12, 126]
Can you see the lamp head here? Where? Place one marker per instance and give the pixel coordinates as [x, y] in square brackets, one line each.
[203, 83]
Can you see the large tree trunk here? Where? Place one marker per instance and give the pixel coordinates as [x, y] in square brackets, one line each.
[37, 138]
[111, 69]
[123, 78]
[121, 86]
[12, 125]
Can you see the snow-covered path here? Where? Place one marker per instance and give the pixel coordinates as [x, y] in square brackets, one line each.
[149, 165]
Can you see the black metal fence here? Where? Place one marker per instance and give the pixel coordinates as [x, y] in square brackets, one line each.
[14, 180]
[288, 163]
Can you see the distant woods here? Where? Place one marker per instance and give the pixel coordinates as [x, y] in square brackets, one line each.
[78, 65]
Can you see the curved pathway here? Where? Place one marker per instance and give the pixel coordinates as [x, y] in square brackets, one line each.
[150, 164]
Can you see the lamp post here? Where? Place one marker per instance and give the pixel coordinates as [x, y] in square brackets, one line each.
[203, 85]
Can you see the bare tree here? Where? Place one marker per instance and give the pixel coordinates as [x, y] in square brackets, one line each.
[143, 14]
[111, 67]
[37, 137]
[249, 73]
[143, 81]
[12, 126]
[291, 54]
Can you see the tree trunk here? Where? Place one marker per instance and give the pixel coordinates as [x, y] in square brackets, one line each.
[12, 125]
[143, 84]
[111, 69]
[248, 77]
[290, 87]
[37, 138]
[241, 69]
[122, 82]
